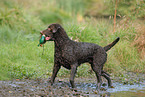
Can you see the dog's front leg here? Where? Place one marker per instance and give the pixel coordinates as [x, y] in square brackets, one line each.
[55, 71]
[72, 76]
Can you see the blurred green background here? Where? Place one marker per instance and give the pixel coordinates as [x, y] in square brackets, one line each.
[84, 20]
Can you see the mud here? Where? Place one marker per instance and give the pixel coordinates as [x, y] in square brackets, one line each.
[41, 88]
[61, 88]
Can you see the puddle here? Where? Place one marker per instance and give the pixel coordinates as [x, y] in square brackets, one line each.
[121, 87]
[139, 93]
[120, 90]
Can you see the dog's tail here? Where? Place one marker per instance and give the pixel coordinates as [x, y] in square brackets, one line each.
[108, 47]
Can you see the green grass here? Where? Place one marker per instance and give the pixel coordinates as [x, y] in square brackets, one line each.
[21, 23]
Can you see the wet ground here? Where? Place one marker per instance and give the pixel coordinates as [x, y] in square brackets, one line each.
[85, 88]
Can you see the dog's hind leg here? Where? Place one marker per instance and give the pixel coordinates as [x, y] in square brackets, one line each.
[99, 60]
[97, 71]
[105, 72]
[106, 75]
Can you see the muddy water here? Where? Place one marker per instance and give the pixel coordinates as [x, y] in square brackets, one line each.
[120, 90]
[61, 88]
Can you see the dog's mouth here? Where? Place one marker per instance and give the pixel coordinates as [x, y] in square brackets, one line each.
[47, 38]
[43, 39]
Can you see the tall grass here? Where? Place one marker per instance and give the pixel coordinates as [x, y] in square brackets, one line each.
[20, 24]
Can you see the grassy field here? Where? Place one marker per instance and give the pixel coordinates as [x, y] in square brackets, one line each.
[22, 20]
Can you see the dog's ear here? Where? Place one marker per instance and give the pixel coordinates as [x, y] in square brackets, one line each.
[54, 27]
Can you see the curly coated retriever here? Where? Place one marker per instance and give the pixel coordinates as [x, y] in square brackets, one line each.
[71, 54]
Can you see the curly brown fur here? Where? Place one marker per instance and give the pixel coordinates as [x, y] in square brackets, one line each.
[71, 54]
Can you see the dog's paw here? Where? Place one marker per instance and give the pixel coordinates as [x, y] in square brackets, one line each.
[104, 84]
[111, 87]
[103, 89]
[74, 89]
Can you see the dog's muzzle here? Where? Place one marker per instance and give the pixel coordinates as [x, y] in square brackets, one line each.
[46, 38]
[43, 39]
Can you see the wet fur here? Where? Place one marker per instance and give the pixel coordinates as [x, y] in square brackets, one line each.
[71, 54]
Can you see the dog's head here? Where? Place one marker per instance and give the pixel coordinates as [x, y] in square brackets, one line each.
[49, 32]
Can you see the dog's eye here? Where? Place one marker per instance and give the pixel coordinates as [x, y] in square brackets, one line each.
[49, 29]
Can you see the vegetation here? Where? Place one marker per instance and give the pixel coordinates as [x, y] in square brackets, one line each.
[22, 20]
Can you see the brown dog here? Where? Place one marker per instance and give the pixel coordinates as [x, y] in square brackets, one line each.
[71, 54]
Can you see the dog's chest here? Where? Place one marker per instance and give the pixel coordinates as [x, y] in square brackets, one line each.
[65, 59]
